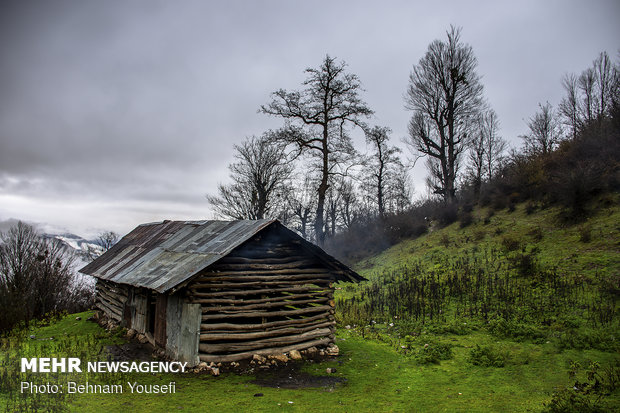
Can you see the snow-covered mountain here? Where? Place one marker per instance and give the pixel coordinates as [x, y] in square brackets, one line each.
[88, 249]
[85, 250]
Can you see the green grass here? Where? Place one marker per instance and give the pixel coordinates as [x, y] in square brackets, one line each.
[559, 243]
[378, 378]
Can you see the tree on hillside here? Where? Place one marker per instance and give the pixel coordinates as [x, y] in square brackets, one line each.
[301, 204]
[259, 181]
[105, 240]
[316, 121]
[485, 149]
[545, 131]
[445, 95]
[381, 167]
[591, 96]
[36, 277]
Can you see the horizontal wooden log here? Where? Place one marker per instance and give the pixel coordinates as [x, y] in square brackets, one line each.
[267, 342]
[229, 259]
[258, 300]
[113, 299]
[263, 326]
[209, 286]
[255, 292]
[265, 305]
[253, 314]
[290, 265]
[110, 312]
[266, 351]
[268, 272]
[113, 288]
[262, 334]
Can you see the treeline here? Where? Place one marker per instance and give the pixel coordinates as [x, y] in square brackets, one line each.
[309, 175]
[37, 278]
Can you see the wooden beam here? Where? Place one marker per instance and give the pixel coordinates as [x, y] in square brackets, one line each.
[263, 334]
[263, 326]
[268, 342]
[265, 305]
[273, 350]
[256, 292]
[253, 314]
[258, 300]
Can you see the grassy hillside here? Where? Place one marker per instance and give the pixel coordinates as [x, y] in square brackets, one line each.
[509, 313]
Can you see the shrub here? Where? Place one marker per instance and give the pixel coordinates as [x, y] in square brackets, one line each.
[433, 353]
[487, 356]
[445, 240]
[479, 235]
[588, 394]
[466, 219]
[517, 331]
[585, 234]
[511, 243]
[536, 234]
[447, 214]
[530, 208]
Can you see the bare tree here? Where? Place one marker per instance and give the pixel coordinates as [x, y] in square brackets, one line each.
[569, 106]
[586, 84]
[545, 131]
[349, 204]
[316, 120]
[301, 203]
[381, 165]
[495, 144]
[259, 178]
[445, 95]
[591, 96]
[105, 240]
[486, 149]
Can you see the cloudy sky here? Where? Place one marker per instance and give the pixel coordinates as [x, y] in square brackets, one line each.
[115, 113]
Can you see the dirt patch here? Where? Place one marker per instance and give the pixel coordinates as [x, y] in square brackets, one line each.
[130, 351]
[290, 376]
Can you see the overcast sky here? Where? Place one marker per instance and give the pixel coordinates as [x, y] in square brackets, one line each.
[116, 113]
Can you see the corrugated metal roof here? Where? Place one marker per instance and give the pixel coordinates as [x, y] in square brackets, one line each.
[162, 255]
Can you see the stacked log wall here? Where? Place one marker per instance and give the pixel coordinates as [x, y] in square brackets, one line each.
[266, 297]
[111, 299]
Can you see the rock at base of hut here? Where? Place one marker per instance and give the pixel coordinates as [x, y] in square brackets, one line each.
[142, 339]
[215, 371]
[131, 333]
[312, 351]
[294, 355]
[259, 359]
[279, 357]
[332, 350]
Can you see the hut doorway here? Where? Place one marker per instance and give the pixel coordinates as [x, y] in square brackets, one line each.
[157, 318]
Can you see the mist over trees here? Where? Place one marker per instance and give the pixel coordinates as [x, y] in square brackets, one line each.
[355, 203]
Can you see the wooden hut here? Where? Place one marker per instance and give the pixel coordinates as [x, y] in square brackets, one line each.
[219, 290]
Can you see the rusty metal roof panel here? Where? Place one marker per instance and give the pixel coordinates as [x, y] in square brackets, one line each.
[162, 255]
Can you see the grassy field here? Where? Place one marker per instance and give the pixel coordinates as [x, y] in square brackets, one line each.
[378, 378]
[511, 304]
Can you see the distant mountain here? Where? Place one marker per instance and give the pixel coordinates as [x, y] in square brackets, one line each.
[85, 249]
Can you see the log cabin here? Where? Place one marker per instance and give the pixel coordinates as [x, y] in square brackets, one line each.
[220, 291]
